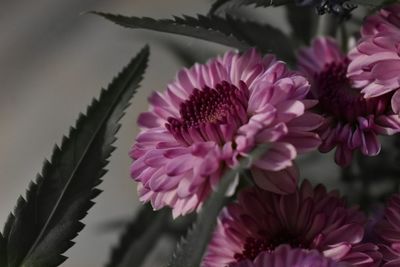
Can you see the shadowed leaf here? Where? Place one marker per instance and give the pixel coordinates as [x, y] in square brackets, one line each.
[190, 250]
[6, 233]
[373, 3]
[3, 251]
[266, 38]
[214, 29]
[303, 22]
[267, 3]
[44, 224]
[257, 3]
[139, 237]
[230, 31]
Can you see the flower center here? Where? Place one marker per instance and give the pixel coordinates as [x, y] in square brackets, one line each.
[337, 97]
[253, 246]
[211, 114]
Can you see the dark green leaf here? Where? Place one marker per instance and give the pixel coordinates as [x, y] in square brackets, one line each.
[302, 21]
[44, 224]
[179, 226]
[212, 29]
[3, 251]
[265, 37]
[6, 233]
[185, 56]
[373, 3]
[190, 250]
[139, 237]
[236, 3]
[230, 31]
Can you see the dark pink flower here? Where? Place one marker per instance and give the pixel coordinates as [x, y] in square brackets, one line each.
[388, 233]
[351, 121]
[375, 66]
[285, 256]
[311, 218]
[212, 115]
[385, 20]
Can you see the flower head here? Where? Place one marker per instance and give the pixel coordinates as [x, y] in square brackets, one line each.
[388, 232]
[311, 218]
[386, 20]
[210, 117]
[375, 66]
[351, 121]
[285, 256]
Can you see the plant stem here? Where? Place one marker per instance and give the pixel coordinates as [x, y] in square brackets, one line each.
[327, 25]
[344, 38]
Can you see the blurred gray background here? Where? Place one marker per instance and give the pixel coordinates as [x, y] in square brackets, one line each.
[52, 62]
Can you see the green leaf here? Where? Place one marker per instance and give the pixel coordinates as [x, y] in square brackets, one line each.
[257, 3]
[3, 251]
[44, 224]
[266, 38]
[190, 250]
[187, 57]
[212, 29]
[139, 237]
[230, 31]
[6, 233]
[267, 3]
[373, 3]
[302, 21]
[179, 226]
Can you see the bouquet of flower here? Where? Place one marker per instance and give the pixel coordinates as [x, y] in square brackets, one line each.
[221, 150]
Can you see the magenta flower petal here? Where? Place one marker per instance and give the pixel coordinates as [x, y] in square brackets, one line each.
[280, 156]
[310, 218]
[364, 254]
[210, 117]
[387, 231]
[396, 102]
[285, 256]
[375, 65]
[280, 182]
[351, 121]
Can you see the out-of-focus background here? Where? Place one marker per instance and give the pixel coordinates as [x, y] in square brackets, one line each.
[53, 60]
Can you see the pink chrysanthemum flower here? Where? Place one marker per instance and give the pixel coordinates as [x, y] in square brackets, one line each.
[351, 121]
[388, 233]
[310, 218]
[210, 117]
[375, 66]
[285, 256]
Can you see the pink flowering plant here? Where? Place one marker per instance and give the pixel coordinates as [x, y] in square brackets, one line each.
[230, 154]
